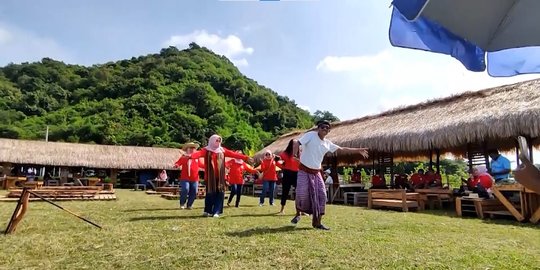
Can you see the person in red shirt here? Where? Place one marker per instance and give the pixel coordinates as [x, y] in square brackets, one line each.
[268, 169]
[214, 177]
[356, 177]
[290, 172]
[237, 167]
[189, 176]
[378, 181]
[417, 179]
[482, 181]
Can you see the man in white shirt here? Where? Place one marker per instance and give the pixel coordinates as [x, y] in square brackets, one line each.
[310, 190]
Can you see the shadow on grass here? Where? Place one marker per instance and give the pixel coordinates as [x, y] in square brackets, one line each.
[255, 215]
[164, 218]
[151, 209]
[241, 205]
[265, 230]
[498, 220]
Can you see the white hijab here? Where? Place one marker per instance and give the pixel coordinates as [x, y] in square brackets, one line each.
[212, 144]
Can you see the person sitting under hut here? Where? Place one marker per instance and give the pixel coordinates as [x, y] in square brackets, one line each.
[378, 181]
[500, 166]
[417, 179]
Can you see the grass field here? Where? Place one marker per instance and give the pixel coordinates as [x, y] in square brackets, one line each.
[148, 232]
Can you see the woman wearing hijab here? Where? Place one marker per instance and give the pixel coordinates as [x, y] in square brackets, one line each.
[482, 181]
[237, 167]
[189, 176]
[214, 161]
[290, 171]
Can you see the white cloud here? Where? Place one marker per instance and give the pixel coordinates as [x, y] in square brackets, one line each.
[231, 46]
[304, 107]
[18, 45]
[404, 77]
[5, 36]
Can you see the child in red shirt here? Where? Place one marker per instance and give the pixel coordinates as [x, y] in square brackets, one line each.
[189, 176]
[237, 167]
[268, 168]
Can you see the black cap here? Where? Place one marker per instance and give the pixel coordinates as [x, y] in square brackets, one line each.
[322, 122]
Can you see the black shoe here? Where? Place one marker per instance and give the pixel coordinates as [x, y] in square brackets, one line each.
[321, 227]
[295, 220]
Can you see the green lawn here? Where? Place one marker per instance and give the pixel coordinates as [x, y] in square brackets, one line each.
[148, 232]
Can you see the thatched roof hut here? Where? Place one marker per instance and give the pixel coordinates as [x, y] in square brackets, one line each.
[86, 155]
[493, 116]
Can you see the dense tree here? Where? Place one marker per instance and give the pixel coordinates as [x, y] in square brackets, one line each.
[324, 115]
[162, 99]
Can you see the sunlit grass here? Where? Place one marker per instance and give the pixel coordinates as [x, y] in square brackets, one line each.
[148, 232]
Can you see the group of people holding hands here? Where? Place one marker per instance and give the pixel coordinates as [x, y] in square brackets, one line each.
[300, 163]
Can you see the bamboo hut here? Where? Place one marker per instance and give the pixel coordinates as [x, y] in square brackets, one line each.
[60, 154]
[490, 118]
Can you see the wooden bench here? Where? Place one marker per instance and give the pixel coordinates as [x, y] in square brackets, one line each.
[257, 189]
[480, 206]
[172, 190]
[55, 194]
[397, 198]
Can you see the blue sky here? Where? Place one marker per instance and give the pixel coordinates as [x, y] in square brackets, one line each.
[325, 54]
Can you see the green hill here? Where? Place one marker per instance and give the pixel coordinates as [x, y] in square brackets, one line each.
[160, 99]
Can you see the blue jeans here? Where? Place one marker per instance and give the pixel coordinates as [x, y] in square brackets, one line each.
[236, 189]
[188, 190]
[213, 203]
[268, 186]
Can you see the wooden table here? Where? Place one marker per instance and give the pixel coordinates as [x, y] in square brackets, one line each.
[429, 195]
[11, 181]
[481, 206]
[529, 202]
[344, 187]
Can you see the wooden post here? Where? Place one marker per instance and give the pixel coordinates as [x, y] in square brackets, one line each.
[517, 154]
[6, 168]
[486, 156]
[529, 143]
[438, 160]
[114, 173]
[469, 156]
[431, 158]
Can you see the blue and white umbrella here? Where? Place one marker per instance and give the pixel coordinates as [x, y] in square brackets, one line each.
[506, 33]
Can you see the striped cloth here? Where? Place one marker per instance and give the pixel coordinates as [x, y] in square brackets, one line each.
[310, 193]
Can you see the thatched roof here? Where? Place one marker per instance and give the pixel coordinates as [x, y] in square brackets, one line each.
[87, 155]
[496, 115]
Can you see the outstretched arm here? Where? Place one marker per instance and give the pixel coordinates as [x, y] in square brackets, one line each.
[349, 150]
[232, 154]
[198, 154]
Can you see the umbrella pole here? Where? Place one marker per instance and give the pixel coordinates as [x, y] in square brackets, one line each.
[51, 202]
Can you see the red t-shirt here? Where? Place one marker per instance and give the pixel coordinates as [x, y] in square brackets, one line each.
[484, 180]
[289, 163]
[417, 179]
[376, 180]
[236, 172]
[356, 178]
[190, 174]
[268, 168]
